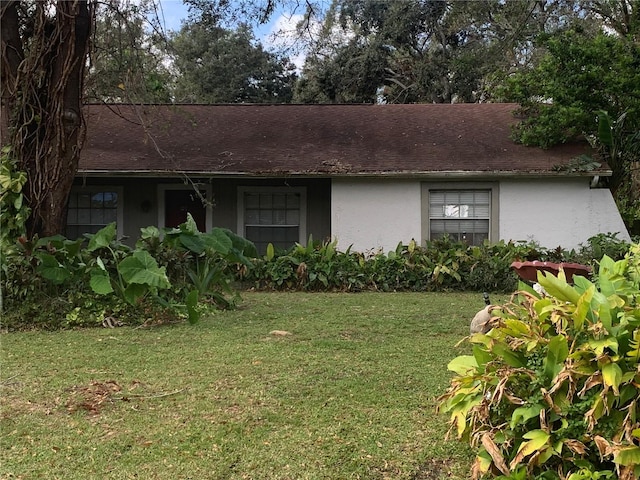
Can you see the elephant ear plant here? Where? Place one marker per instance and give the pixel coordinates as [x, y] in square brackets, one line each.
[199, 263]
[553, 390]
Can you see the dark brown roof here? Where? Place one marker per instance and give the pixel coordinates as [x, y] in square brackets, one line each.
[271, 140]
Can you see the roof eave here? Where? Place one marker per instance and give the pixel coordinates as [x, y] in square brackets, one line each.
[346, 174]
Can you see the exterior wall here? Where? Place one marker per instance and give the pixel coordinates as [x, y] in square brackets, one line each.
[380, 213]
[141, 201]
[371, 214]
[375, 214]
[557, 212]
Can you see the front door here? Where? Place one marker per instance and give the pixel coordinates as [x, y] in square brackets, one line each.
[177, 203]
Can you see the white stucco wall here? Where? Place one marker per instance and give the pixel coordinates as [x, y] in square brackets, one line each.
[378, 214]
[557, 213]
[372, 215]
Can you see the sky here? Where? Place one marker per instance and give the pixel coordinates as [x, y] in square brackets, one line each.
[174, 12]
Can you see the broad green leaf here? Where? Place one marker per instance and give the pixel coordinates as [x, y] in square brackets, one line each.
[598, 346]
[142, 268]
[510, 357]
[270, 252]
[516, 327]
[605, 129]
[192, 242]
[218, 241]
[72, 247]
[481, 355]
[537, 435]
[545, 455]
[634, 347]
[149, 232]
[583, 307]
[52, 270]
[627, 456]
[558, 288]
[244, 248]
[628, 392]
[608, 275]
[521, 414]
[536, 440]
[56, 241]
[135, 291]
[100, 282]
[543, 308]
[102, 238]
[612, 375]
[101, 264]
[484, 461]
[605, 317]
[581, 284]
[189, 225]
[463, 365]
[557, 352]
[191, 301]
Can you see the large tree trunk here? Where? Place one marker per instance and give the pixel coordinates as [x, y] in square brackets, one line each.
[46, 115]
[12, 56]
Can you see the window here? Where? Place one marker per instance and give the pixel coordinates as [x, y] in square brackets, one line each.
[272, 215]
[463, 215]
[91, 209]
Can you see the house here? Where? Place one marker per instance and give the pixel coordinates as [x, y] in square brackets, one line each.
[369, 176]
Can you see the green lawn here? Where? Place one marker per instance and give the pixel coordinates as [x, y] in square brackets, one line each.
[349, 394]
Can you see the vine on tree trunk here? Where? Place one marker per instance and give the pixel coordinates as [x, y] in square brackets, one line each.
[45, 52]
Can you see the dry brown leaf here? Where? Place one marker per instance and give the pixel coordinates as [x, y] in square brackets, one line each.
[494, 451]
[576, 446]
[604, 448]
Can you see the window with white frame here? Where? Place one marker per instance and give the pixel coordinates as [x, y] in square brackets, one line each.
[92, 208]
[463, 215]
[272, 215]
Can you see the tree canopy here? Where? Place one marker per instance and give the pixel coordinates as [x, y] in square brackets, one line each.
[586, 87]
[405, 51]
[218, 65]
[128, 62]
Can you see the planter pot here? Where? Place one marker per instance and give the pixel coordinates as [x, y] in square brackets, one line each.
[529, 270]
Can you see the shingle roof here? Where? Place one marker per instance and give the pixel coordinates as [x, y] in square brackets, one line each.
[312, 140]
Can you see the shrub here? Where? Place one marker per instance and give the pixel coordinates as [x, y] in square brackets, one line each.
[442, 264]
[54, 282]
[600, 245]
[551, 392]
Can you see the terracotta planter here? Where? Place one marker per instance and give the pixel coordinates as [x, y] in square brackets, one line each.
[529, 270]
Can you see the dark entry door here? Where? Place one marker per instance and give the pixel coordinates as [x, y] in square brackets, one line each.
[177, 203]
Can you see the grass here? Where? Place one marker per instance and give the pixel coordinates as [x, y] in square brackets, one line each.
[351, 393]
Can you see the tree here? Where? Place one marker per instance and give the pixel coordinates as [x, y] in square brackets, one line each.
[45, 49]
[129, 60]
[586, 87]
[218, 65]
[424, 50]
[621, 16]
